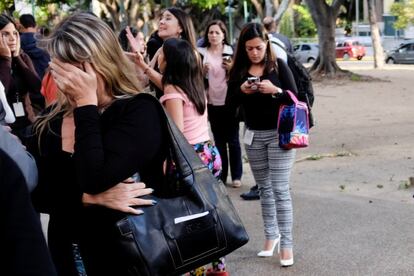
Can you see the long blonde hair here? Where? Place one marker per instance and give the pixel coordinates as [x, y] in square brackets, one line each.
[83, 37]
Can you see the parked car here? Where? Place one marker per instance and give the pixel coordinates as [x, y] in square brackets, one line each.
[347, 49]
[306, 52]
[402, 54]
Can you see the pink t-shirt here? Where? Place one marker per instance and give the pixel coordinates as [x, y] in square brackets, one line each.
[217, 82]
[195, 125]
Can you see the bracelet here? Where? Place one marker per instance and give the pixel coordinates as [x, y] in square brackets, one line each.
[278, 91]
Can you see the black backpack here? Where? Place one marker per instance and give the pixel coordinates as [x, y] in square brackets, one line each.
[303, 81]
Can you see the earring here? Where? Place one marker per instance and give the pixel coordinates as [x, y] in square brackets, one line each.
[265, 59]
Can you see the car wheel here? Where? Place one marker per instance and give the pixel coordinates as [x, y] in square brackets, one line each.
[360, 57]
[311, 60]
[390, 61]
[346, 56]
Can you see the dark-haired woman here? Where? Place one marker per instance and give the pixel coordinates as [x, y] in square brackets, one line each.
[216, 55]
[173, 23]
[19, 77]
[185, 101]
[271, 166]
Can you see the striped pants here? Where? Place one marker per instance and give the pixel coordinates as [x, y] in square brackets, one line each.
[271, 167]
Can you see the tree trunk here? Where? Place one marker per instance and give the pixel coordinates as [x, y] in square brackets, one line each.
[325, 16]
[269, 8]
[258, 7]
[375, 35]
[280, 11]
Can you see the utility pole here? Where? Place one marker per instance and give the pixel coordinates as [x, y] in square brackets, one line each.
[357, 17]
[230, 21]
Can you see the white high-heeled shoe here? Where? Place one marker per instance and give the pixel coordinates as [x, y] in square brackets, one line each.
[286, 262]
[269, 253]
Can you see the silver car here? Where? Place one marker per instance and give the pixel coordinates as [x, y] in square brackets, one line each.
[403, 54]
[306, 52]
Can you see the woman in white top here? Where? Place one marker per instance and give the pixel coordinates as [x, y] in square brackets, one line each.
[217, 55]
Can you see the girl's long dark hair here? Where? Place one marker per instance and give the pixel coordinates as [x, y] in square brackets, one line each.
[242, 62]
[186, 24]
[183, 69]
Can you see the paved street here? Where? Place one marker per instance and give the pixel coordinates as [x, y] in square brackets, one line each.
[352, 212]
[335, 234]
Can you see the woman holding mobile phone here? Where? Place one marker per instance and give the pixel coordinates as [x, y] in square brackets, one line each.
[271, 166]
[217, 58]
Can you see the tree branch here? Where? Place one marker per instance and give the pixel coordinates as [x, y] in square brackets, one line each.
[281, 10]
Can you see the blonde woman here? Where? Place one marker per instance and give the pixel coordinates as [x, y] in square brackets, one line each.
[97, 135]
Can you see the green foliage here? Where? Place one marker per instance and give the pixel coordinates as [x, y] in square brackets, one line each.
[304, 25]
[5, 5]
[404, 12]
[208, 4]
[286, 24]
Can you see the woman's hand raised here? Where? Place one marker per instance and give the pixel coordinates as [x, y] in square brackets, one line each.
[79, 83]
[4, 47]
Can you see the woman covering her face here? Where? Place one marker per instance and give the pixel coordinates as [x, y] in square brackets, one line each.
[258, 82]
[89, 144]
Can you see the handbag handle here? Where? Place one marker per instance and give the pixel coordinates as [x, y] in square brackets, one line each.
[292, 96]
[186, 159]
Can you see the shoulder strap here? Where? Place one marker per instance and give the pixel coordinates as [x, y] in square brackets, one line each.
[279, 45]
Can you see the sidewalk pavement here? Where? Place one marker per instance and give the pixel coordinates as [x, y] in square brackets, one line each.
[334, 234]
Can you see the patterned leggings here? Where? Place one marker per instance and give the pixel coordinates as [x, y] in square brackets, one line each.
[271, 167]
[210, 156]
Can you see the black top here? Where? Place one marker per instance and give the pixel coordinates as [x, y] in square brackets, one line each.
[19, 78]
[154, 43]
[261, 111]
[21, 236]
[128, 137]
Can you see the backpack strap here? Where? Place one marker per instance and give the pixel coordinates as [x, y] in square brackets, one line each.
[279, 45]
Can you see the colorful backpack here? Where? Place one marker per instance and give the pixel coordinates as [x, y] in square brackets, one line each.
[293, 124]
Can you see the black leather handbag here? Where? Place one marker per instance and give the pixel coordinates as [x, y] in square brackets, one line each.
[181, 233]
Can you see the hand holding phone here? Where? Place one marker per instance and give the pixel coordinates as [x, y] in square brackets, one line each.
[253, 82]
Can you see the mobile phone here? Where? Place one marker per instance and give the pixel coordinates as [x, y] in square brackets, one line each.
[253, 81]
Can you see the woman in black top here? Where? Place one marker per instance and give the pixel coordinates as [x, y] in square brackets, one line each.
[19, 77]
[97, 135]
[258, 81]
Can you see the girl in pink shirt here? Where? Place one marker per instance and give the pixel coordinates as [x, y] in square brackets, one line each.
[185, 99]
[186, 102]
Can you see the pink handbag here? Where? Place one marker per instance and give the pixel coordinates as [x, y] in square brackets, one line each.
[293, 124]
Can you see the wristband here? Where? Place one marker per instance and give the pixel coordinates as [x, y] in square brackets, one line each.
[278, 91]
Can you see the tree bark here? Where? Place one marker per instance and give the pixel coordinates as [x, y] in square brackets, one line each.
[325, 16]
[375, 35]
[269, 8]
[281, 10]
[258, 7]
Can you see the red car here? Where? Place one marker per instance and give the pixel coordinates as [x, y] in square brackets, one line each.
[350, 49]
